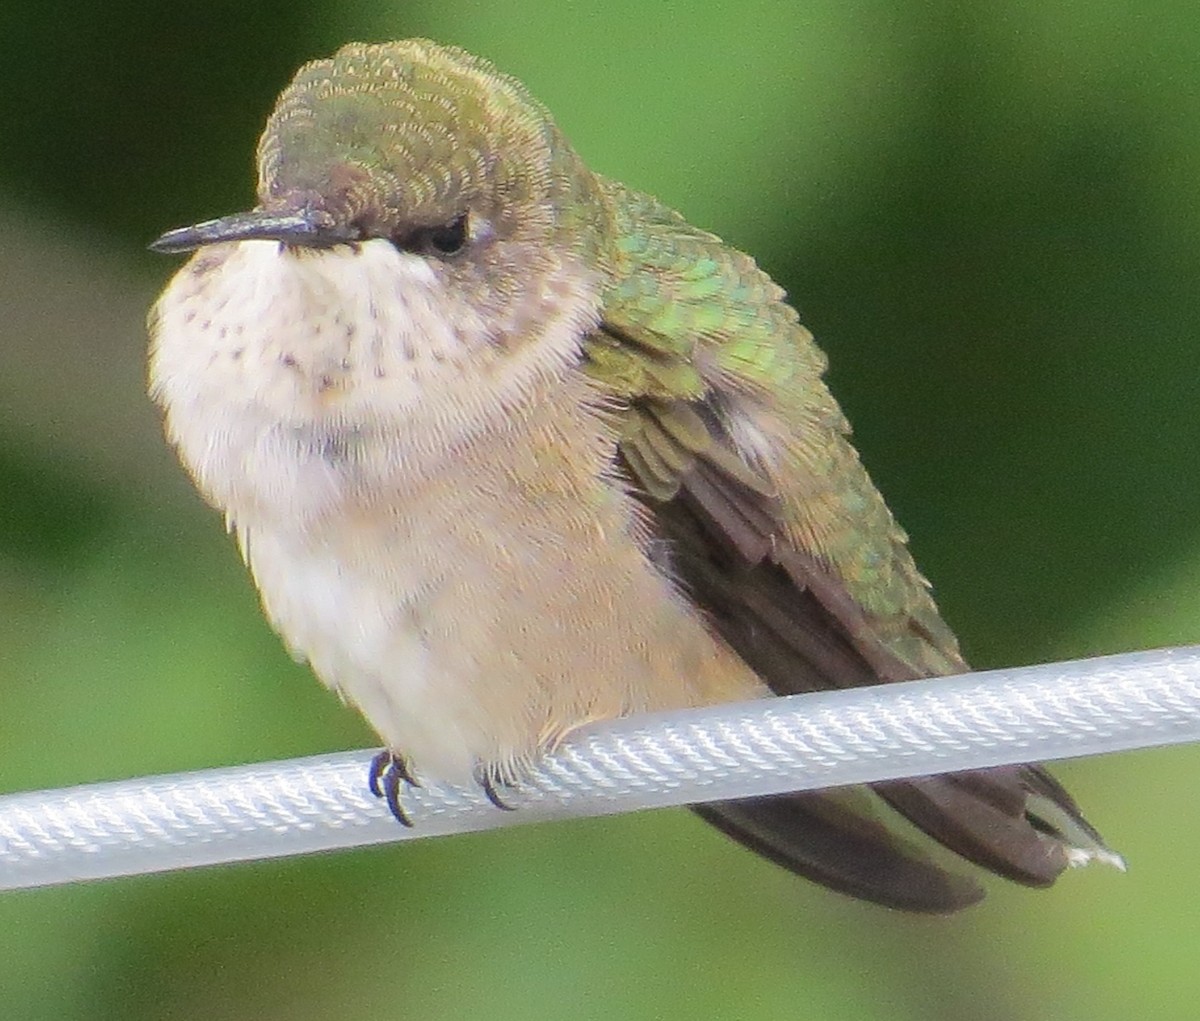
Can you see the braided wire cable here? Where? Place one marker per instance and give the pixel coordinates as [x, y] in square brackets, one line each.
[268, 810]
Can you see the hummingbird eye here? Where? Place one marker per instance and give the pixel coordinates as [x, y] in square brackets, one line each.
[443, 240]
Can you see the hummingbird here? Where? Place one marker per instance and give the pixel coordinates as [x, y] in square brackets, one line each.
[510, 447]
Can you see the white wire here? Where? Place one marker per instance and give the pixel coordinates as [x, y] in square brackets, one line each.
[1054, 711]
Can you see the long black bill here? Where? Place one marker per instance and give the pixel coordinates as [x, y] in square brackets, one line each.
[309, 228]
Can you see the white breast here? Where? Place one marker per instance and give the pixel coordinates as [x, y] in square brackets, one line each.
[428, 516]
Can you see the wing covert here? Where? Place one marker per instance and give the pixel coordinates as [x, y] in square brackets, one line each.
[731, 440]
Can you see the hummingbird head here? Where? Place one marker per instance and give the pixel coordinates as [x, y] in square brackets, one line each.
[425, 146]
[425, 244]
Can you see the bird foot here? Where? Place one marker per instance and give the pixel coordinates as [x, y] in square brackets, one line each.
[387, 773]
[488, 781]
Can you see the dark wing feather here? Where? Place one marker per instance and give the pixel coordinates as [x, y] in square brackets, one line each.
[799, 630]
[799, 568]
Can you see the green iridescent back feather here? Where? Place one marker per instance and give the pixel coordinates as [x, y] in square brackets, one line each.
[694, 334]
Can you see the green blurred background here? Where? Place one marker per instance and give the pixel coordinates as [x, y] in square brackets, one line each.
[987, 214]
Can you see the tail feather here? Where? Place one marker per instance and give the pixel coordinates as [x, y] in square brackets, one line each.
[823, 836]
[981, 816]
[1015, 821]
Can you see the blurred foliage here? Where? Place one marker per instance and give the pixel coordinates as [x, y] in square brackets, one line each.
[985, 212]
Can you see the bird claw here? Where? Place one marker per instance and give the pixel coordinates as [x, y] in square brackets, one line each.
[389, 774]
[388, 771]
[485, 780]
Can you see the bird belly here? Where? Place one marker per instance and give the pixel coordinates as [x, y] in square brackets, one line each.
[360, 630]
[483, 646]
